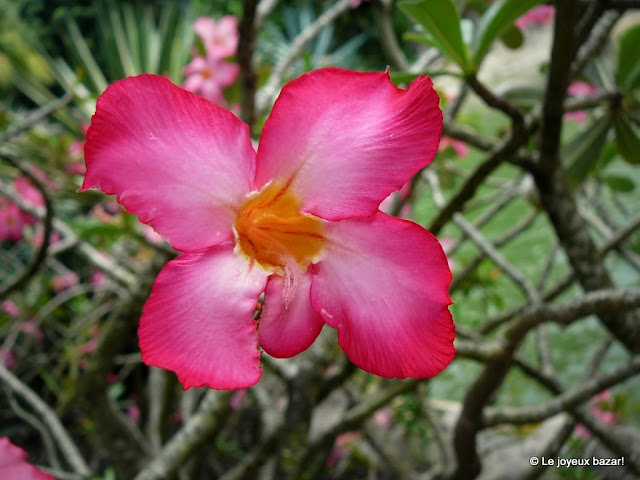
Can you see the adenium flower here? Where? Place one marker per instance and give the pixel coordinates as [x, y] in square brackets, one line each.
[579, 89]
[208, 76]
[541, 15]
[13, 220]
[297, 221]
[459, 147]
[220, 39]
[13, 463]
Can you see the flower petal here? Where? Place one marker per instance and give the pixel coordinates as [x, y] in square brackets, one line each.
[346, 140]
[173, 158]
[288, 325]
[198, 319]
[13, 464]
[383, 283]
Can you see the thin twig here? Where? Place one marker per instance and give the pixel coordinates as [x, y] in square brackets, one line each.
[188, 438]
[268, 92]
[65, 443]
[39, 259]
[246, 46]
[567, 400]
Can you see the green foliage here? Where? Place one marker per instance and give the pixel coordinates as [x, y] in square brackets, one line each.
[582, 153]
[628, 67]
[627, 138]
[19, 50]
[496, 21]
[441, 21]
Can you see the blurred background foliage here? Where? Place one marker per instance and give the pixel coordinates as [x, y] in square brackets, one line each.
[57, 56]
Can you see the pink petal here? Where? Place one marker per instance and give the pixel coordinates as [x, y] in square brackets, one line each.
[211, 90]
[173, 158]
[383, 283]
[224, 42]
[198, 319]
[226, 73]
[13, 463]
[197, 65]
[346, 140]
[288, 325]
[205, 28]
[581, 89]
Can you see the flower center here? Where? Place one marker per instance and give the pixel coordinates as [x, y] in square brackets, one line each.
[271, 230]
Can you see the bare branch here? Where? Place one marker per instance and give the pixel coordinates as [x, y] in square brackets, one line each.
[65, 443]
[183, 444]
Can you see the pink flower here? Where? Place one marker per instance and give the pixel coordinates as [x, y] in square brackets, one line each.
[220, 39]
[14, 466]
[7, 358]
[447, 245]
[11, 225]
[402, 194]
[459, 147]
[237, 398]
[98, 279]
[541, 15]
[10, 308]
[356, 3]
[30, 327]
[208, 76]
[64, 281]
[298, 221]
[602, 406]
[13, 220]
[579, 89]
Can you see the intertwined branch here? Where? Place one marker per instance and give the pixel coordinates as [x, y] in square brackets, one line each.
[312, 408]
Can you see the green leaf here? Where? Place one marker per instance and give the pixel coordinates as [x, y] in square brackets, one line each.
[523, 94]
[423, 38]
[495, 21]
[441, 21]
[628, 71]
[627, 139]
[619, 184]
[582, 153]
[512, 37]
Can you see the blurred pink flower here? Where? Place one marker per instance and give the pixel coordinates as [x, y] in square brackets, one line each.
[151, 235]
[220, 39]
[399, 195]
[285, 221]
[602, 408]
[38, 237]
[7, 358]
[459, 147]
[13, 220]
[342, 446]
[98, 279]
[237, 398]
[356, 3]
[13, 465]
[10, 308]
[447, 243]
[383, 417]
[208, 76]
[11, 225]
[90, 345]
[133, 410]
[30, 327]
[540, 15]
[579, 89]
[64, 281]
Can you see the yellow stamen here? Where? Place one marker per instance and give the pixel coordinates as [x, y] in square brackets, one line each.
[271, 230]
